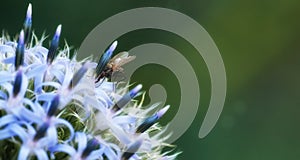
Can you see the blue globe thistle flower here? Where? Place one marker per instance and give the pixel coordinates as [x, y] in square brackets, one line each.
[55, 107]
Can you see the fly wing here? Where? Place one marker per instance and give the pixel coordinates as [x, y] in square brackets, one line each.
[120, 55]
[125, 60]
[118, 76]
[120, 59]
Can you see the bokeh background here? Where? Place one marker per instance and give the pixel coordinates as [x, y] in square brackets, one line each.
[259, 41]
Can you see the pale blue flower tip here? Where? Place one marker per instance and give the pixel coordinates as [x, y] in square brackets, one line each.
[20, 51]
[161, 112]
[113, 46]
[58, 31]
[29, 12]
[135, 90]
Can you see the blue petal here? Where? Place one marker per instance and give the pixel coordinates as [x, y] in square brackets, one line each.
[67, 76]
[58, 74]
[40, 51]
[45, 97]
[12, 44]
[63, 148]
[124, 120]
[16, 129]
[7, 119]
[6, 49]
[24, 153]
[6, 77]
[110, 154]
[52, 135]
[135, 157]
[82, 141]
[103, 97]
[96, 154]
[37, 82]
[9, 60]
[68, 125]
[29, 116]
[120, 134]
[8, 87]
[6, 133]
[41, 154]
[31, 104]
[36, 70]
[3, 95]
[30, 129]
[36, 107]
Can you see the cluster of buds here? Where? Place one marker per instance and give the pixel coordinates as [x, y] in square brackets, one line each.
[55, 107]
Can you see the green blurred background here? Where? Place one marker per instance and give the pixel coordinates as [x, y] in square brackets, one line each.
[259, 41]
